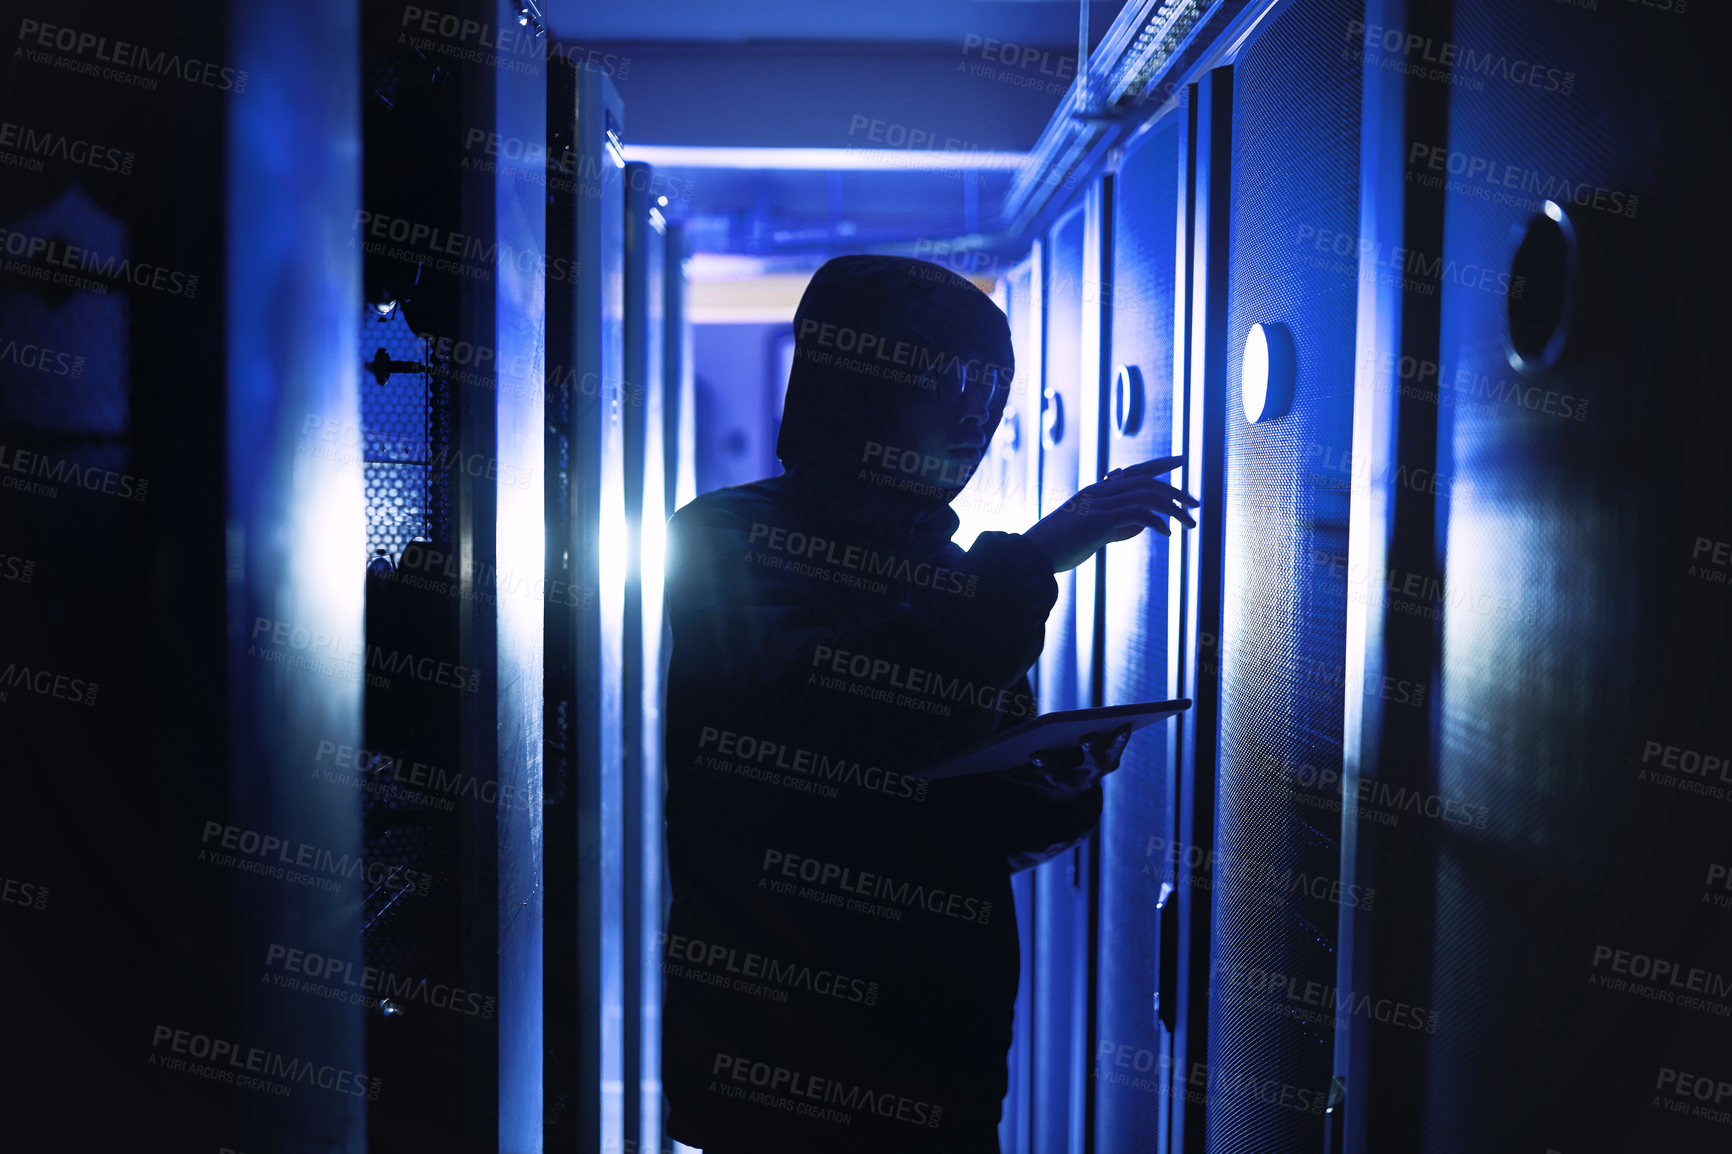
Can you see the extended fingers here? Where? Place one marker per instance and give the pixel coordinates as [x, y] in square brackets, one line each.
[1114, 742]
[1152, 468]
[1059, 759]
[1161, 488]
[1128, 506]
[1122, 483]
[1133, 519]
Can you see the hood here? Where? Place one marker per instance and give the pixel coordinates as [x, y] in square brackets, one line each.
[863, 325]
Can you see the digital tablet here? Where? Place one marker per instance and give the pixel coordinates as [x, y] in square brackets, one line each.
[1063, 729]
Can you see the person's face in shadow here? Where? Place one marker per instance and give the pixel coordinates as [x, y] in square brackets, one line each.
[949, 413]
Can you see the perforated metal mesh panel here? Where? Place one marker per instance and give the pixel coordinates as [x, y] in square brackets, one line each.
[1576, 631]
[398, 917]
[1131, 1063]
[1059, 912]
[393, 438]
[410, 827]
[1295, 164]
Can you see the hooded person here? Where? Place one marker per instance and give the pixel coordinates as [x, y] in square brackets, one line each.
[841, 955]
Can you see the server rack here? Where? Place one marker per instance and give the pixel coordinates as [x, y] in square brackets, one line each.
[410, 385]
[1131, 1058]
[1012, 482]
[1205, 157]
[1060, 905]
[289, 526]
[1289, 335]
[465, 600]
[586, 542]
[1552, 397]
[512, 724]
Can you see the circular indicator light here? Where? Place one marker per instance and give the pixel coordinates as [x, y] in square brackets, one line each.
[1128, 400]
[1544, 275]
[1266, 374]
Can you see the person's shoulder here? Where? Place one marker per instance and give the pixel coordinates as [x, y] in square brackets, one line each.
[713, 532]
[737, 507]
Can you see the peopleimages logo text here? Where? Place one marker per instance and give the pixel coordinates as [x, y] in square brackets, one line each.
[865, 669]
[269, 847]
[871, 885]
[862, 559]
[839, 769]
[372, 981]
[69, 149]
[781, 1080]
[63, 470]
[229, 1061]
[359, 654]
[730, 961]
[74, 258]
[123, 54]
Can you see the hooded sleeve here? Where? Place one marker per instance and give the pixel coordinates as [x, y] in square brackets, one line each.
[1036, 829]
[1027, 828]
[764, 633]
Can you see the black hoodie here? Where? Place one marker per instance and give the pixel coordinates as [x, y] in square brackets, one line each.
[841, 958]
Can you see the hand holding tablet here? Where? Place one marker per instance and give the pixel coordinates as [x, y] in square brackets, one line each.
[1050, 748]
[1067, 772]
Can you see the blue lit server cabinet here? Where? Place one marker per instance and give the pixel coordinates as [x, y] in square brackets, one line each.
[1551, 884]
[451, 447]
[1132, 1055]
[585, 826]
[1289, 325]
[1060, 906]
[1005, 489]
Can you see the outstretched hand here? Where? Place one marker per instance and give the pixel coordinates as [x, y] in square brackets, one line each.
[1068, 772]
[1117, 508]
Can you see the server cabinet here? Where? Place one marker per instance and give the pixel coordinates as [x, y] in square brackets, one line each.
[292, 534]
[159, 503]
[642, 687]
[586, 556]
[511, 725]
[1556, 867]
[1131, 1059]
[1202, 304]
[1005, 491]
[410, 382]
[1059, 977]
[453, 243]
[1290, 317]
[119, 581]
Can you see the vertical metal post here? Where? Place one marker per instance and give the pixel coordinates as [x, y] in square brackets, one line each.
[584, 831]
[511, 561]
[1209, 160]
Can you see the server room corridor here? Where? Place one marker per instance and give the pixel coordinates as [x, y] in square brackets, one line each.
[913, 577]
